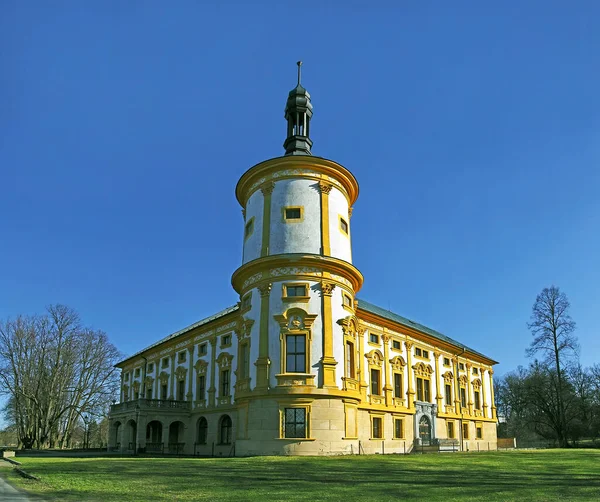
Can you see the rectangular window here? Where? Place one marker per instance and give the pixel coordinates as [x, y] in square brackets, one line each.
[163, 391]
[347, 301]
[148, 393]
[137, 372]
[446, 361]
[373, 338]
[423, 390]
[165, 362]
[150, 368]
[461, 366]
[377, 427]
[294, 425]
[224, 383]
[181, 357]
[397, 385]
[463, 397]
[426, 354]
[418, 352]
[295, 357]
[247, 301]
[450, 427]
[448, 394]
[479, 432]
[475, 371]
[225, 340]
[126, 377]
[344, 225]
[201, 387]
[398, 428]
[427, 389]
[249, 228]
[293, 213]
[295, 291]
[465, 431]
[181, 390]
[136, 395]
[375, 382]
[244, 361]
[202, 349]
[476, 400]
[396, 345]
[350, 373]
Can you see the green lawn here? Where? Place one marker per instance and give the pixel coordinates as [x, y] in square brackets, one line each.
[513, 475]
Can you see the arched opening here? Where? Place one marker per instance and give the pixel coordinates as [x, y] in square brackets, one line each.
[154, 441]
[225, 427]
[176, 434]
[116, 436]
[202, 431]
[425, 430]
[130, 434]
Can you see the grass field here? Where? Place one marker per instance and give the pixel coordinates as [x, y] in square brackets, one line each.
[513, 475]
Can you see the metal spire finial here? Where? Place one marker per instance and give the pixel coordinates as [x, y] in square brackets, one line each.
[299, 63]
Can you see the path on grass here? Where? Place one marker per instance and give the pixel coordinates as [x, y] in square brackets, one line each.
[7, 492]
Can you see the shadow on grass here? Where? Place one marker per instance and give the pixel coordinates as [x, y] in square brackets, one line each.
[545, 475]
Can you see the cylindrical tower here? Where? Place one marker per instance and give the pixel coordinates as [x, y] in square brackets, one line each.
[297, 283]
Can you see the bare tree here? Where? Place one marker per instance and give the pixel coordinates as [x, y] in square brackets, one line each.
[552, 329]
[54, 370]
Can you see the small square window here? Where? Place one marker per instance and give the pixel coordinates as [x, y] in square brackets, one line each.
[418, 352]
[479, 432]
[165, 362]
[347, 301]
[150, 367]
[295, 291]
[461, 366]
[344, 225]
[202, 349]
[225, 340]
[377, 423]
[137, 372]
[247, 301]
[398, 428]
[475, 371]
[373, 338]
[294, 423]
[426, 354]
[446, 361]
[181, 357]
[396, 345]
[249, 228]
[293, 213]
[465, 430]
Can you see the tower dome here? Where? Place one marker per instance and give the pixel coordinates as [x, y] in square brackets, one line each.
[298, 112]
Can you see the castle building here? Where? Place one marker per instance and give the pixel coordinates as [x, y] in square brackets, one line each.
[300, 366]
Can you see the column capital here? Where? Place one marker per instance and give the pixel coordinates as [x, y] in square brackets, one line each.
[327, 288]
[408, 345]
[267, 188]
[325, 187]
[265, 289]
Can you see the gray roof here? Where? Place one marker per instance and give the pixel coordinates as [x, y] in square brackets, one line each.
[387, 314]
[206, 320]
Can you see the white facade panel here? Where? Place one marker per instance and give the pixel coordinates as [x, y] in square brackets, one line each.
[339, 241]
[253, 244]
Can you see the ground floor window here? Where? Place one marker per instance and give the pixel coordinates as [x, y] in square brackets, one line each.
[479, 431]
[225, 427]
[294, 423]
[398, 428]
[377, 428]
[465, 429]
[163, 391]
[202, 430]
[450, 427]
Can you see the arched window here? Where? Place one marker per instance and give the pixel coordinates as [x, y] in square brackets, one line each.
[225, 430]
[202, 430]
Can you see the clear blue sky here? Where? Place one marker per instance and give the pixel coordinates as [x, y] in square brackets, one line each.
[473, 130]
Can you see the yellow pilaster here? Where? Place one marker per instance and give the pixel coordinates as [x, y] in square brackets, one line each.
[267, 190]
[172, 390]
[410, 376]
[213, 370]
[156, 395]
[456, 387]
[387, 388]
[190, 394]
[484, 406]
[469, 389]
[327, 361]
[362, 372]
[493, 402]
[263, 362]
[438, 381]
[325, 189]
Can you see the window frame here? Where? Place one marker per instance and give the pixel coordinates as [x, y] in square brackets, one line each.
[377, 419]
[397, 348]
[377, 337]
[285, 293]
[343, 222]
[424, 391]
[402, 432]
[376, 381]
[248, 228]
[226, 340]
[204, 428]
[284, 422]
[284, 216]
[225, 382]
[203, 349]
[227, 428]
[287, 353]
[201, 395]
[181, 356]
[450, 430]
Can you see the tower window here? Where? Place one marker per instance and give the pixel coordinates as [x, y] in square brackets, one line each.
[293, 213]
[249, 228]
[295, 291]
[343, 225]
